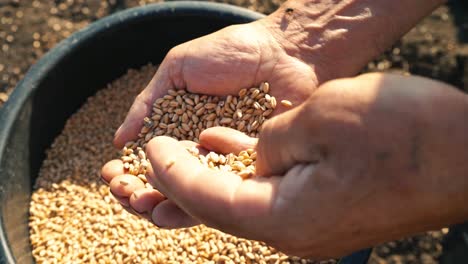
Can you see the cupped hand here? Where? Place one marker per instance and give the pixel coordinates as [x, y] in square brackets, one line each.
[362, 161]
[223, 63]
[152, 204]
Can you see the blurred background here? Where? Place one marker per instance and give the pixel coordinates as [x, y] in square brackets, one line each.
[437, 47]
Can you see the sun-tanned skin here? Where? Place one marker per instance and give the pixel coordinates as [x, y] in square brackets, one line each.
[374, 146]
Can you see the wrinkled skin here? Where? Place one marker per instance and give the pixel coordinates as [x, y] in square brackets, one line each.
[221, 64]
[375, 145]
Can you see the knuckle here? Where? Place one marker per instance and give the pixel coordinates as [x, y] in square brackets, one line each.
[175, 52]
[141, 98]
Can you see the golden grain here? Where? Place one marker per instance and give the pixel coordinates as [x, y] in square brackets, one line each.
[242, 92]
[170, 163]
[75, 219]
[273, 102]
[265, 87]
[286, 103]
[122, 182]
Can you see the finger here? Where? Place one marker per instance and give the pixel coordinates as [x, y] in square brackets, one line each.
[142, 106]
[149, 202]
[218, 199]
[144, 200]
[168, 215]
[284, 141]
[133, 122]
[226, 140]
[124, 185]
[111, 169]
[115, 167]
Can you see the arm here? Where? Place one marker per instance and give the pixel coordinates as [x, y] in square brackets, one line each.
[305, 42]
[343, 35]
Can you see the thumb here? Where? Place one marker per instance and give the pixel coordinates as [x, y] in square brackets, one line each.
[218, 199]
[226, 140]
[285, 141]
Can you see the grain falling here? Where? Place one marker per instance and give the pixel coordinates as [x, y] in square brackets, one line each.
[75, 219]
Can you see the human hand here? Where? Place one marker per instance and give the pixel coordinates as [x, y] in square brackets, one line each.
[222, 63]
[218, 64]
[363, 161]
[295, 49]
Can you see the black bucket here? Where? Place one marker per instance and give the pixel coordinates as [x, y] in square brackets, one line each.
[75, 69]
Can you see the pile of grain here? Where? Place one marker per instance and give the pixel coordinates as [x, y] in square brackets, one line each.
[74, 219]
[183, 115]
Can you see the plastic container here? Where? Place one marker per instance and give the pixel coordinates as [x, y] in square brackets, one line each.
[60, 82]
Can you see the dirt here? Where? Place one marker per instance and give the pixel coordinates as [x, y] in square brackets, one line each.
[437, 47]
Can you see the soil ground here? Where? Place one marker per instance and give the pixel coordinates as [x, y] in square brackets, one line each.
[437, 47]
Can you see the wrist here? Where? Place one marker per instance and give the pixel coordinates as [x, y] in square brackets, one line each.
[339, 38]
